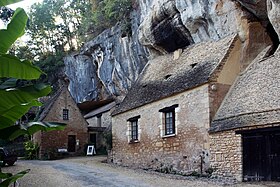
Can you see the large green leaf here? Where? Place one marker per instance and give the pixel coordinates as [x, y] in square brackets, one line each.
[5, 175]
[13, 178]
[21, 96]
[30, 128]
[12, 67]
[14, 103]
[10, 116]
[8, 2]
[14, 30]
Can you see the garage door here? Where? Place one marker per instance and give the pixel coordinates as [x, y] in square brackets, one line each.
[261, 156]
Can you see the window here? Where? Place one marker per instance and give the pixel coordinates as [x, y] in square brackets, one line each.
[65, 114]
[133, 129]
[168, 120]
[99, 122]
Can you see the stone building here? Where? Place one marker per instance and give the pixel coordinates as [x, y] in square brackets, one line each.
[245, 133]
[163, 121]
[100, 126]
[62, 108]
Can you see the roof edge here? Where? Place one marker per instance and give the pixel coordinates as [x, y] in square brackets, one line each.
[246, 120]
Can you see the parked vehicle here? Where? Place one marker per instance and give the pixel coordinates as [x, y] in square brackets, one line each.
[6, 157]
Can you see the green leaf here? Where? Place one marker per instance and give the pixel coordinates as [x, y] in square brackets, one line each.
[11, 66]
[5, 175]
[10, 116]
[15, 102]
[8, 2]
[30, 128]
[14, 30]
[13, 178]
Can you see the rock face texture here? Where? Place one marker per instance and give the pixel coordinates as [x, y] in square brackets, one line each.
[273, 8]
[108, 65]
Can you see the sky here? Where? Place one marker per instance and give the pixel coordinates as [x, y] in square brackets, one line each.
[24, 4]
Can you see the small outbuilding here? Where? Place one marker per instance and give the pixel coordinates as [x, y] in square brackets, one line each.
[72, 140]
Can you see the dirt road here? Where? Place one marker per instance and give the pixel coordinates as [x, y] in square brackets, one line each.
[89, 171]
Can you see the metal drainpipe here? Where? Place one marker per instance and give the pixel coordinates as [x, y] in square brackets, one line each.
[201, 164]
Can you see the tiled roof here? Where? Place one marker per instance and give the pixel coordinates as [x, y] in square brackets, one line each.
[100, 110]
[254, 99]
[48, 105]
[164, 76]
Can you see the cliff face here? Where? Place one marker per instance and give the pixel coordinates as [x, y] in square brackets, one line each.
[109, 64]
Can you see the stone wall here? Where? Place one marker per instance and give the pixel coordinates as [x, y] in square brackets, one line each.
[181, 152]
[226, 154]
[76, 125]
[106, 120]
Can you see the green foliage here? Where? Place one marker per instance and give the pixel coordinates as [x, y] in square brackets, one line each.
[14, 30]
[18, 93]
[6, 14]
[8, 2]
[10, 179]
[51, 65]
[56, 24]
[109, 12]
[31, 150]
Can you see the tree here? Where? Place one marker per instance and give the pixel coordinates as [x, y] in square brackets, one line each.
[56, 24]
[6, 13]
[17, 90]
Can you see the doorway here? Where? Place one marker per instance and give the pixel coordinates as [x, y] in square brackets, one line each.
[93, 139]
[261, 155]
[71, 143]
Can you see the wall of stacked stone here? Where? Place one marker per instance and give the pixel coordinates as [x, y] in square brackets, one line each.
[106, 120]
[226, 154]
[179, 153]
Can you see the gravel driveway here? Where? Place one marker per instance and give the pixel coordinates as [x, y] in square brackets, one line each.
[89, 171]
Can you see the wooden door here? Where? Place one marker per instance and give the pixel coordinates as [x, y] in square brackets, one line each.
[275, 157]
[253, 158]
[261, 156]
[71, 143]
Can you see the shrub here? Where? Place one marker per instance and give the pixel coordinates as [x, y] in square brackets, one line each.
[31, 150]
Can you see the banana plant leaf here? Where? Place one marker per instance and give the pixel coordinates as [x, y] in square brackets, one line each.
[15, 102]
[13, 178]
[30, 128]
[14, 30]
[5, 175]
[8, 2]
[21, 96]
[9, 117]
[12, 67]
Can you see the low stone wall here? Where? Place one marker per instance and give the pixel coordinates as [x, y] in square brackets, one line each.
[226, 154]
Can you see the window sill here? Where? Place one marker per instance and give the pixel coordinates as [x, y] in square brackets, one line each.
[133, 141]
[167, 136]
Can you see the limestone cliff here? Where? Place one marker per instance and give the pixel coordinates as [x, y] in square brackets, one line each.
[109, 64]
